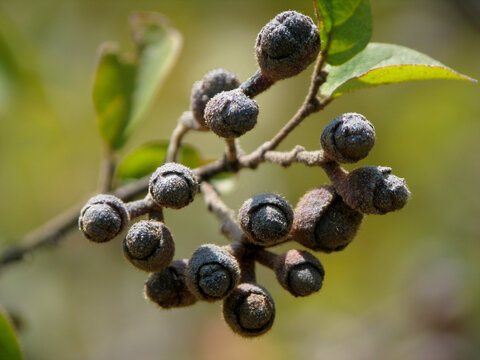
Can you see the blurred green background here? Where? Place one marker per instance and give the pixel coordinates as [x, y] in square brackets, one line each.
[408, 286]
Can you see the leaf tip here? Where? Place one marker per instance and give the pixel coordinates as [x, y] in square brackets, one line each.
[138, 20]
[108, 47]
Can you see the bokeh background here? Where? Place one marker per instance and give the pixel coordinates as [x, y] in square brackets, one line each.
[406, 288]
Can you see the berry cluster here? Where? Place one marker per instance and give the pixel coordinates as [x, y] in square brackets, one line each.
[325, 219]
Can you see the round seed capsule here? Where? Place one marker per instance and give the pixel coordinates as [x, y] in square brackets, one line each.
[173, 185]
[323, 222]
[168, 289]
[249, 310]
[231, 114]
[348, 138]
[374, 190]
[212, 83]
[103, 218]
[266, 219]
[299, 272]
[287, 45]
[149, 245]
[212, 273]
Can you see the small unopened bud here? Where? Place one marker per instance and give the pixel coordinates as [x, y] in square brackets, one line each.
[212, 273]
[173, 185]
[212, 83]
[348, 138]
[374, 190]
[266, 219]
[287, 45]
[323, 222]
[249, 310]
[149, 245]
[231, 114]
[167, 288]
[299, 272]
[103, 218]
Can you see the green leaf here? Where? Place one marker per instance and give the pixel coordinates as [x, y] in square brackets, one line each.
[147, 158]
[325, 21]
[158, 47]
[382, 64]
[9, 347]
[345, 28]
[125, 84]
[111, 93]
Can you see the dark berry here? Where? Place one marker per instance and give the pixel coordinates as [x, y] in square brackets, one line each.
[266, 219]
[231, 114]
[103, 218]
[212, 273]
[287, 45]
[323, 222]
[168, 289]
[149, 245]
[249, 310]
[212, 83]
[348, 138]
[374, 190]
[299, 272]
[173, 185]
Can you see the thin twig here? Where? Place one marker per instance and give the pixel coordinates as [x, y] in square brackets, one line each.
[175, 142]
[44, 236]
[237, 249]
[247, 267]
[231, 151]
[256, 84]
[156, 214]
[266, 258]
[51, 232]
[310, 105]
[140, 207]
[297, 155]
[107, 171]
[230, 228]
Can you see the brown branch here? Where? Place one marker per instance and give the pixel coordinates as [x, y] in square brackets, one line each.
[51, 232]
[256, 84]
[297, 155]
[140, 207]
[156, 214]
[186, 122]
[107, 171]
[266, 258]
[231, 151]
[176, 142]
[310, 105]
[247, 267]
[230, 228]
[237, 249]
[44, 236]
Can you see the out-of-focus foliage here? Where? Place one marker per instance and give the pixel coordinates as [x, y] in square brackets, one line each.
[82, 301]
[9, 348]
[126, 83]
[147, 158]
